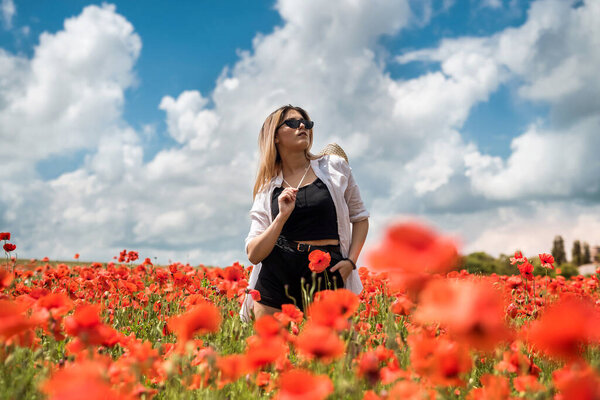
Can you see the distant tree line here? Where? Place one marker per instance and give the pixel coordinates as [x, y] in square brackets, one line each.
[579, 256]
[483, 263]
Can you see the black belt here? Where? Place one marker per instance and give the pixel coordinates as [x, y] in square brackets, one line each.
[303, 247]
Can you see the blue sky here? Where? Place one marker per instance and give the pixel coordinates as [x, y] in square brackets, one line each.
[473, 107]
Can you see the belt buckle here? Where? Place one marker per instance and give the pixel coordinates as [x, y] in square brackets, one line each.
[302, 244]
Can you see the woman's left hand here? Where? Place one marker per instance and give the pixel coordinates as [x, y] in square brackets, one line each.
[345, 267]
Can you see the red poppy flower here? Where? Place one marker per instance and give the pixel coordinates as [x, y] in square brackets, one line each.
[319, 260]
[526, 269]
[6, 278]
[547, 260]
[333, 308]
[407, 389]
[565, 328]
[132, 256]
[410, 252]
[517, 362]
[414, 247]
[527, 383]
[494, 387]
[201, 318]
[264, 351]
[319, 342]
[12, 319]
[267, 326]
[255, 294]
[402, 306]
[471, 311]
[518, 258]
[80, 379]
[232, 367]
[301, 384]
[233, 274]
[58, 303]
[8, 247]
[442, 361]
[4, 235]
[577, 381]
[371, 395]
[85, 323]
[263, 378]
[289, 312]
[368, 367]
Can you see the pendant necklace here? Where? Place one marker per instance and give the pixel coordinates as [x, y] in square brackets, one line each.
[300, 179]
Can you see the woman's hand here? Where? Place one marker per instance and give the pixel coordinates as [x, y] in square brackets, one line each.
[287, 201]
[345, 267]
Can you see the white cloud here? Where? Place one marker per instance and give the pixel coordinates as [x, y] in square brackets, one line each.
[8, 12]
[543, 164]
[512, 228]
[403, 137]
[70, 93]
[491, 4]
[434, 167]
[188, 120]
[554, 55]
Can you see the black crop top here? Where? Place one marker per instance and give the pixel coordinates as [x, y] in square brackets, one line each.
[314, 216]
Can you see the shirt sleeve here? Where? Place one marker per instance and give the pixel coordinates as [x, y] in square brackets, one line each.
[259, 218]
[356, 207]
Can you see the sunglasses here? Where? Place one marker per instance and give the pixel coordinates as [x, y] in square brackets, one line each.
[295, 123]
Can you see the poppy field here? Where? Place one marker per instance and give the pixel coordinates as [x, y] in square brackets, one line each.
[422, 328]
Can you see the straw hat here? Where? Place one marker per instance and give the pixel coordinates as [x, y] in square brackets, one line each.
[334, 148]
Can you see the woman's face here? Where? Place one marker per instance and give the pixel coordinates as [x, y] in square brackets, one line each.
[290, 138]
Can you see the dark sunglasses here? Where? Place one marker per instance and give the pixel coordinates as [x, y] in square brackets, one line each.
[295, 123]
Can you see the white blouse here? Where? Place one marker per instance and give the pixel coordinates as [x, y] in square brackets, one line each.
[336, 173]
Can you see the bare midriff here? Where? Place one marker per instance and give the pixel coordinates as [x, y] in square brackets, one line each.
[322, 242]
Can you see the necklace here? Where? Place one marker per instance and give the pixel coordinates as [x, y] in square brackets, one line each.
[300, 179]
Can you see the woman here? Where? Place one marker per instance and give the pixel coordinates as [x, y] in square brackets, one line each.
[302, 202]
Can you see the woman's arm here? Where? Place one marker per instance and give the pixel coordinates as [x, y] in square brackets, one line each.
[262, 236]
[359, 235]
[261, 246]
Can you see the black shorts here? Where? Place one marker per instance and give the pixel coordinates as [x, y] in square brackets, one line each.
[286, 265]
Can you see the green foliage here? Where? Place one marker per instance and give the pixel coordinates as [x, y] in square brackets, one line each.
[568, 270]
[483, 263]
[20, 373]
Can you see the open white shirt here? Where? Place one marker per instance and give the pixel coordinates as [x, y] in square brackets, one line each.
[336, 173]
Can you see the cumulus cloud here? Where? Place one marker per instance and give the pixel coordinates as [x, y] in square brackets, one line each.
[71, 92]
[190, 202]
[553, 55]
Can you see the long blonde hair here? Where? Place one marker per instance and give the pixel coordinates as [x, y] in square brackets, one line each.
[269, 164]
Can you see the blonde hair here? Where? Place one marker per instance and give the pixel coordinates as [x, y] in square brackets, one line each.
[269, 164]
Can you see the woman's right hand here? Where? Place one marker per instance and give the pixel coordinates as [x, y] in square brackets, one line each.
[287, 201]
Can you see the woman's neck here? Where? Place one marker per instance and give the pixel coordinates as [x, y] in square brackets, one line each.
[293, 164]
